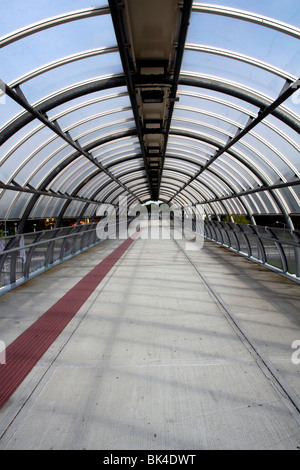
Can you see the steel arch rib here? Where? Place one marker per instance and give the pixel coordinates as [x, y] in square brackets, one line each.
[127, 172]
[52, 22]
[243, 111]
[190, 47]
[237, 125]
[241, 58]
[61, 62]
[80, 89]
[251, 167]
[248, 16]
[118, 81]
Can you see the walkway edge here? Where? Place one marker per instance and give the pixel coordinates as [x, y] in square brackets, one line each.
[24, 353]
[262, 360]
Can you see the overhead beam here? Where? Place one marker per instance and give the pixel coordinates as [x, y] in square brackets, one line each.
[184, 24]
[128, 70]
[118, 81]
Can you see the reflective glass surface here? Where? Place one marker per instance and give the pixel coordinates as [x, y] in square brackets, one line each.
[238, 58]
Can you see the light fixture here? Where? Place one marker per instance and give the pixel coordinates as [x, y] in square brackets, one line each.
[152, 96]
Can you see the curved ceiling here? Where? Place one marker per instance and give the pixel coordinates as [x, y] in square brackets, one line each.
[186, 102]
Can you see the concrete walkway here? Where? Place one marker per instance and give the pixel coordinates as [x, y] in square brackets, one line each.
[152, 361]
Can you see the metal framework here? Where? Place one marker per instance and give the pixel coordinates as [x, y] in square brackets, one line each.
[158, 108]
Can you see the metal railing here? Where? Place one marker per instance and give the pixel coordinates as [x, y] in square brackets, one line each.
[277, 249]
[24, 256]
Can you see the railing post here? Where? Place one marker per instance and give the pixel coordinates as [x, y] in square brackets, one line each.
[49, 253]
[232, 230]
[297, 252]
[13, 262]
[84, 237]
[29, 255]
[244, 235]
[280, 249]
[63, 245]
[260, 245]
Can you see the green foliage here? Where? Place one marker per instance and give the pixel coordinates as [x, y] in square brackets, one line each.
[238, 219]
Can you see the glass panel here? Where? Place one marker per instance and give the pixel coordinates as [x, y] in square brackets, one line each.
[90, 211]
[246, 38]
[10, 146]
[276, 10]
[23, 152]
[137, 163]
[240, 172]
[137, 174]
[119, 156]
[204, 189]
[251, 203]
[95, 183]
[183, 153]
[268, 154]
[16, 15]
[257, 162]
[177, 164]
[63, 178]
[12, 204]
[41, 159]
[113, 198]
[54, 208]
[74, 209]
[110, 149]
[106, 131]
[292, 104]
[9, 108]
[199, 130]
[191, 145]
[18, 205]
[226, 173]
[80, 111]
[291, 198]
[263, 206]
[182, 177]
[291, 136]
[62, 77]
[105, 189]
[44, 169]
[215, 102]
[37, 211]
[78, 176]
[204, 117]
[262, 202]
[136, 183]
[233, 70]
[95, 121]
[219, 188]
[96, 100]
[283, 146]
[49, 45]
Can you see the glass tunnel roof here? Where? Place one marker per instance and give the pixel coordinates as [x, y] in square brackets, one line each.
[184, 102]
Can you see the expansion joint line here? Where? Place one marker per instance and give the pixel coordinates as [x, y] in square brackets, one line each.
[291, 400]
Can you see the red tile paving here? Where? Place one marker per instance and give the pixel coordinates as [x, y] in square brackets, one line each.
[24, 353]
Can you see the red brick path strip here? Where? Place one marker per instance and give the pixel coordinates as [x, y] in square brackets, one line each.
[23, 354]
